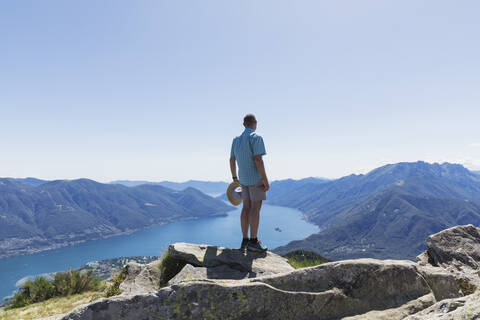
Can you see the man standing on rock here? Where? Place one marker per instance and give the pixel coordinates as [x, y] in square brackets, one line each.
[247, 150]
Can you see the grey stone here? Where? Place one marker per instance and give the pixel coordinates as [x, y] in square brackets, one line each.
[399, 313]
[141, 278]
[257, 264]
[456, 250]
[457, 246]
[462, 308]
[370, 283]
[191, 273]
[444, 285]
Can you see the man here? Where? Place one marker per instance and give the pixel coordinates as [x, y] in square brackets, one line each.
[247, 150]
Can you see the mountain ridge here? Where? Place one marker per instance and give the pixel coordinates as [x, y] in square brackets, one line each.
[208, 187]
[62, 212]
[359, 215]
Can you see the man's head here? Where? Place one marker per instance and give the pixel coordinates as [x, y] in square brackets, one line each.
[249, 121]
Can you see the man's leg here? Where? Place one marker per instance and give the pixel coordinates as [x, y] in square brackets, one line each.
[245, 217]
[254, 217]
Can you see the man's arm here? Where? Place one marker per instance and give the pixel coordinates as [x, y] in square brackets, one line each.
[233, 168]
[261, 169]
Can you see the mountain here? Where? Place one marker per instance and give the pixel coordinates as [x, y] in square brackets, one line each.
[29, 181]
[62, 212]
[386, 213]
[286, 187]
[208, 187]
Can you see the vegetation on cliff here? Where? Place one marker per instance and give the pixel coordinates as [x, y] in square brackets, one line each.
[63, 284]
[303, 259]
[54, 306]
[114, 288]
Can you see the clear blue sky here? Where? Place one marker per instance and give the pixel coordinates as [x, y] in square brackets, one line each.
[156, 90]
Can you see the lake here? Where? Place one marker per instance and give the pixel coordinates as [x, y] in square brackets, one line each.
[220, 231]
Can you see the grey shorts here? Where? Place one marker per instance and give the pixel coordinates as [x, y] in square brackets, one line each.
[254, 192]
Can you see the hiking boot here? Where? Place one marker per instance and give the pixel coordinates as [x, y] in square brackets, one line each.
[244, 244]
[256, 245]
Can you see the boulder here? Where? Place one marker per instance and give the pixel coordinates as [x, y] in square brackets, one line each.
[458, 246]
[456, 250]
[141, 278]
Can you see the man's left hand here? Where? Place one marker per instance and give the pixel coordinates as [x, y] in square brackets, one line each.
[266, 186]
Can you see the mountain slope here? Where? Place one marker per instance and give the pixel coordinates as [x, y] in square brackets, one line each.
[388, 212]
[61, 212]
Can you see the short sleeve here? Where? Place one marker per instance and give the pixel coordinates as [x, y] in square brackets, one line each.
[258, 146]
[232, 152]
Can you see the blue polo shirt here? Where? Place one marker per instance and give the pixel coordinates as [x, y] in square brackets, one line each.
[244, 147]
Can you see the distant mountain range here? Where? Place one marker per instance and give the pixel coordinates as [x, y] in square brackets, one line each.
[386, 213]
[33, 182]
[209, 187]
[286, 187]
[36, 215]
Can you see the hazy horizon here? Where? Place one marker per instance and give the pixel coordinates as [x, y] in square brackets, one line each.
[156, 90]
[226, 180]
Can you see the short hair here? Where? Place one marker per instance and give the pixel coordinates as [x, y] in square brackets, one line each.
[249, 119]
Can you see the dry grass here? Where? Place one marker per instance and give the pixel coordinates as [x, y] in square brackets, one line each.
[59, 305]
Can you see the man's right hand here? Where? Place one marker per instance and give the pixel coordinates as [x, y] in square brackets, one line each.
[266, 185]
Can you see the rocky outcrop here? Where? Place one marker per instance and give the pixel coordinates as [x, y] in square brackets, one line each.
[456, 250]
[141, 278]
[219, 283]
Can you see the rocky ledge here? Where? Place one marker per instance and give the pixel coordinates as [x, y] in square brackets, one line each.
[208, 282]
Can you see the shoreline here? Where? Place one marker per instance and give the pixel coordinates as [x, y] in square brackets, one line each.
[51, 245]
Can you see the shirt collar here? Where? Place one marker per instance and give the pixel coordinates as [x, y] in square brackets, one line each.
[248, 130]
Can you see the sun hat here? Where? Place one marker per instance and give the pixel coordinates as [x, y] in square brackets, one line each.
[234, 193]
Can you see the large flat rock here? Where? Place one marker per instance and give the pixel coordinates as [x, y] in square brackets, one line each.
[251, 263]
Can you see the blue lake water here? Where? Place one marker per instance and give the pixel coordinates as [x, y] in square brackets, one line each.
[220, 231]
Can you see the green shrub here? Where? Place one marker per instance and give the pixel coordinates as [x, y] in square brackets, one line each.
[64, 284]
[74, 282]
[20, 299]
[302, 259]
[118, 278]
[169, 268]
